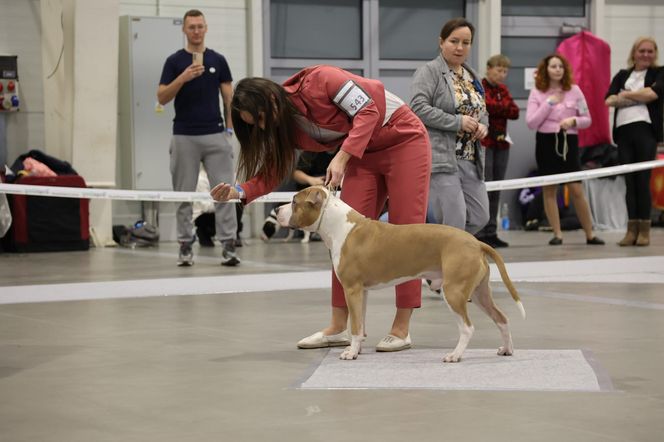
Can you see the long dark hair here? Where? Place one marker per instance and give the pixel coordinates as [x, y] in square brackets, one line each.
[269, 152]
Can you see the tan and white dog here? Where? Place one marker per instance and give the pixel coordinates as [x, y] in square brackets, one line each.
[370, 254]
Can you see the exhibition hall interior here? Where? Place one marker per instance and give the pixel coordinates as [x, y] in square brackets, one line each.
[151, 289]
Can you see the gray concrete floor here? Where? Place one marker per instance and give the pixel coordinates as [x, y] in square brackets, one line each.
[224, 366]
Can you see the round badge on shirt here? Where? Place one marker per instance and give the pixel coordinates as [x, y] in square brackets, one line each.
[212, 70]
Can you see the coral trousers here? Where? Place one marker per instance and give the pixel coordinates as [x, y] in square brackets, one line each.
[396, 165]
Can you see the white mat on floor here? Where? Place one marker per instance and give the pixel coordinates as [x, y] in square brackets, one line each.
[527, 370]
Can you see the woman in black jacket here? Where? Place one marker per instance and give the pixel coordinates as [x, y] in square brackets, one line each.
[637, 94]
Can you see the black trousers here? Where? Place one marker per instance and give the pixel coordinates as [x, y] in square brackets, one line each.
[636, 143]
[495, 166]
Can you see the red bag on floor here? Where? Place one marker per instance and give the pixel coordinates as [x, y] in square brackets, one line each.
[48, 224]
[657, 185]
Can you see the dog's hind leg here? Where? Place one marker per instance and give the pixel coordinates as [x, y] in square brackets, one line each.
[483, 299]
[457, 300]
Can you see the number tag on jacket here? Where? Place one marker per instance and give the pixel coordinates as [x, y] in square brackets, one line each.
[351, 98]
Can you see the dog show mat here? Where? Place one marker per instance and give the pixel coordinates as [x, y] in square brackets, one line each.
[480, 369]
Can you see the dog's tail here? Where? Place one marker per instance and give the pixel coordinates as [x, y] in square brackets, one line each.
[495, 256]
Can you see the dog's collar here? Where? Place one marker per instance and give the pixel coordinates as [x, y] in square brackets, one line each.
[322, 211]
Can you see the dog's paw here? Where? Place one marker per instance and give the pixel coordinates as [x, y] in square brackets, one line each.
[348, 354]
[351, 352]
[504, 351]
[452, 357]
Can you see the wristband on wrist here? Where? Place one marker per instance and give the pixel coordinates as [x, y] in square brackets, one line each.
[240, 191]
[229, 130]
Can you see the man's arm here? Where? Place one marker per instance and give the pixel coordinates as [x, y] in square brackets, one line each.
[167, 92]
[227, 97]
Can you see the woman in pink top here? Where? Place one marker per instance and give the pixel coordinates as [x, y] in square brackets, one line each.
[557, 109]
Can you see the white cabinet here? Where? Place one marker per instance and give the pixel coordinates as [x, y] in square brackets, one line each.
[145, 128]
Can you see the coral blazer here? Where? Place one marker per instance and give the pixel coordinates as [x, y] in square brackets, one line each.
[322, 94]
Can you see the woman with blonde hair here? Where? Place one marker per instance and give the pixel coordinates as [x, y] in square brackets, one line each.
[636, 94]
[557, 109]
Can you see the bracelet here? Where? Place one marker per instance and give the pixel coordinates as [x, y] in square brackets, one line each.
[240, 191]
[229, 130]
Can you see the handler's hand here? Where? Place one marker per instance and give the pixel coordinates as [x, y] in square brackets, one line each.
[336, 169]
[224, 192]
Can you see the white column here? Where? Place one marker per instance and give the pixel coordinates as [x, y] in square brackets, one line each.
[80, 98]
[57, 43]
[255, 36]
[488, 31]
[94, 141]
[255, 214]
[597, 18]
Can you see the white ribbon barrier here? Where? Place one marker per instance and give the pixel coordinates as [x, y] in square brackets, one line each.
[277, 197]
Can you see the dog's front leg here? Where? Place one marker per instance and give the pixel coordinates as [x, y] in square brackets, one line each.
[354, 300]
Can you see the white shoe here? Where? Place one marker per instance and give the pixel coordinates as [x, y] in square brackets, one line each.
[319, 340]
[393, 343]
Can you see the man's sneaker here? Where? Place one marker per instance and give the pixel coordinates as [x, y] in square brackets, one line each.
[228, 257]
[270, 226]
[186, 255]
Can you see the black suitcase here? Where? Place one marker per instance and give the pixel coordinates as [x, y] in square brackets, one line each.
[48, 224]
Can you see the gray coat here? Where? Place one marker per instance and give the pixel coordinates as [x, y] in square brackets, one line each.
[434, 103]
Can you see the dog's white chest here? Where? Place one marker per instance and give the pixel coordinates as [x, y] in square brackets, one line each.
[335, 228]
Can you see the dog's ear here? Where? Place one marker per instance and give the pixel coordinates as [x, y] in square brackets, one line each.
[316, 196]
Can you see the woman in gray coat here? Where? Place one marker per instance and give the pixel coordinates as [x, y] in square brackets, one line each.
[449, 99]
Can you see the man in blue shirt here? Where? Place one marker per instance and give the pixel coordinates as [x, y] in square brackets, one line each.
[194, 77]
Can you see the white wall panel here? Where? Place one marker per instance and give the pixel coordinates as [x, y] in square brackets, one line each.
[227, 32]
[20, 24]
[203, 5]
[625, 21]
[138, 10]
[25, 131]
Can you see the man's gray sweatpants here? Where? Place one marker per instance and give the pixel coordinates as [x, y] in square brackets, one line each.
[216, 153]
